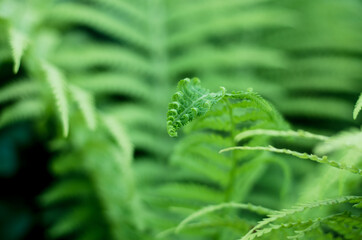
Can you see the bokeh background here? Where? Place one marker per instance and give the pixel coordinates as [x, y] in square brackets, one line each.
[123, 58]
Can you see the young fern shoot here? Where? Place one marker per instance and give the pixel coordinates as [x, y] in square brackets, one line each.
[220, 121]
[191, 101]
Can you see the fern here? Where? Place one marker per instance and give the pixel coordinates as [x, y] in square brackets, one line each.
[190, 102]
[58, 88]
[79, 13]
[107, 56]
[198, 152]
[23, 110]
[284, 213]
[347, 225]
[209, 209]
[299, 155]
[19, 90]
[18, 43]
[104, 84]
[196, 155]
[299, 133]
[358, 107]
[120, 59]
[86, 105]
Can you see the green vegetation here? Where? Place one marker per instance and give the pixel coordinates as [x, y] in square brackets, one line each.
[84, 90]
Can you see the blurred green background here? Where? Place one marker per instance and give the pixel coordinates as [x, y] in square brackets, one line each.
[90, 59]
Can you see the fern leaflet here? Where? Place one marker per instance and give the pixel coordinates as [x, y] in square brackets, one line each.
[312, 157]
[58, 87]
[358, 107]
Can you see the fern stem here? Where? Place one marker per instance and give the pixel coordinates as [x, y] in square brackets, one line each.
[275, 133]
[209, 209]
[312, 157]
[232, 173]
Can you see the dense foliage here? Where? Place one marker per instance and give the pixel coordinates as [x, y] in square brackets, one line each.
[84, 90]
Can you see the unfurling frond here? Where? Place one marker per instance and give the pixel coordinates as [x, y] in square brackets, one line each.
[189, 102]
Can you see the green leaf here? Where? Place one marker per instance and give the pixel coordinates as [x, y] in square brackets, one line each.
[358, 107]
[276, 133]
[85, 102]
[56, 82]
[22, 110]
[189, 102]
[312, 157]
[18, 42]
[209, 209]
[301, 208]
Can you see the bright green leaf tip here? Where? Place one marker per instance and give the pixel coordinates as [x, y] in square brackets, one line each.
[189, 102]
[357, 107]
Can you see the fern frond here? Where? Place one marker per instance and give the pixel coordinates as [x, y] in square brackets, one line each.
[205, 152]
[151, 142]
[247, 175]
[213, 140]
[312, 157]
[85, 103]
[18, 90]
[349, 226]
[116, 130]
[215, 123]
[321, 107]
[210, 58]
[189, 102]
[136, 116]
[347, 139]
[209, 209]
[193, 192]
[203, 167]
[250, 19]
[123, 8]
[18, 42]
[105, 55]
[273, 227]
[71, 221]
[320, 83]
[256, 101]
[288, 212]
[184, 10]
[59, 89]
[114, 83]
[66, 190]
[75, 13]
[275, 133]
[301, 233]
[22, 110]
[357, 107]
[235, 224]
[287, 174]
[61, 166]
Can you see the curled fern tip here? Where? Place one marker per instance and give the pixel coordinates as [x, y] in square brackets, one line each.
[189, 102]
